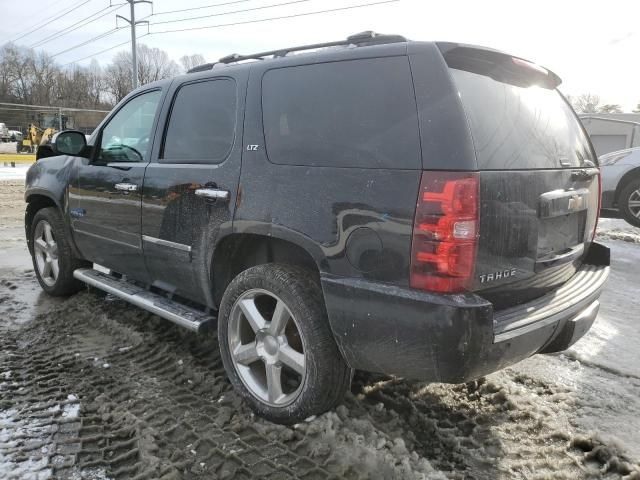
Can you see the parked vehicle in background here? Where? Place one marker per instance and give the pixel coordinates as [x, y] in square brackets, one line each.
[419, 209]
[621, 183]
[5, 136]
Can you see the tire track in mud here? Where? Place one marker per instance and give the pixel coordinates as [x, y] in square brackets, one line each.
[145, 412]
[100, 389]
[151, 401]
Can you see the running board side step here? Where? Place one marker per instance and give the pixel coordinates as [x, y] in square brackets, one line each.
[175, 312]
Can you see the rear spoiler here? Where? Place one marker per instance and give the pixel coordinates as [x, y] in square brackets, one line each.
[497, 65]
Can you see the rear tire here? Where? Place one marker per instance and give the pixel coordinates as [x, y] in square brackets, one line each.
[53, 259]
[276, 344]
[629, 202]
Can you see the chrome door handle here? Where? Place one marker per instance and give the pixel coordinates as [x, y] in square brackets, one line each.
[213, 193]
[126, 187]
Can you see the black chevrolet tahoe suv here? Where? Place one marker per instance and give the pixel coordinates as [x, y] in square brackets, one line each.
[418, 209]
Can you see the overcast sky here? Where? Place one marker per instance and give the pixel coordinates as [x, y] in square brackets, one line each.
[593, 45]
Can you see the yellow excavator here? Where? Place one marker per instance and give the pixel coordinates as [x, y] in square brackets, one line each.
[35, 137]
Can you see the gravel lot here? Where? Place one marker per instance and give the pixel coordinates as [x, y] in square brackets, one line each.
[91, 387]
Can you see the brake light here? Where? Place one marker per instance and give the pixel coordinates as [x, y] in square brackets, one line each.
[530, 65]
[445, 232]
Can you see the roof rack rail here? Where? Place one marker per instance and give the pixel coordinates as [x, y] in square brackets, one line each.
[359, 39]
[202, 68]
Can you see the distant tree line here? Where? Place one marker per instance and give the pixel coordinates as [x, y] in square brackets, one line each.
[35, 78]
[590, 103]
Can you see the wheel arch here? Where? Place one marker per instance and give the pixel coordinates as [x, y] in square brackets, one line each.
[624, 181]
[36, 201]
[238, 251]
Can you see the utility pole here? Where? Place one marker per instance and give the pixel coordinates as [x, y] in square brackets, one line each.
[134, 49]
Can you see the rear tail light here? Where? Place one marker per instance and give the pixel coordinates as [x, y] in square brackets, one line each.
[445, 232]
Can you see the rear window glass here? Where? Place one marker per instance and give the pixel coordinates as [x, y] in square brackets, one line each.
[520, 126]
[358, 113]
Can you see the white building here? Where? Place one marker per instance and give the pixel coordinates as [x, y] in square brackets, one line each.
[612, 131]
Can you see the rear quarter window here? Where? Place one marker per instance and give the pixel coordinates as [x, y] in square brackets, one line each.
[357, 113]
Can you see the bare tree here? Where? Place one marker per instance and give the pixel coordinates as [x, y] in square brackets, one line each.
[31, 77]
[637, 109]
[586, 103]
[154, 64]
[118, 76]
[96, 83]
[15, 66]
[610, 108]
[190, 61]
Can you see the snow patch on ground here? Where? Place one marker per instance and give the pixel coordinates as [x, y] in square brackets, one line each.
[617, 229]
[18, 172]
[17, 430]
[13, 430]
[89, 474]
[348, 438]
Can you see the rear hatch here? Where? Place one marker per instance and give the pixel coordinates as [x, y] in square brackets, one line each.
[539, 185]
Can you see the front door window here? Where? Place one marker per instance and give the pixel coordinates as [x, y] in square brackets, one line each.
[127, 136]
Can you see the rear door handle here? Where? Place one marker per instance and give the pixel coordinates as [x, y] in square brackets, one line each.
[126, 187]
[213, 193]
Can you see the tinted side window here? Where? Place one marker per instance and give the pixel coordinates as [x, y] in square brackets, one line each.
[357, 113]
[202, 123]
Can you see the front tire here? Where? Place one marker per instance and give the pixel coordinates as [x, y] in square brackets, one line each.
[53, 259]
[629, 202]
[276, 344]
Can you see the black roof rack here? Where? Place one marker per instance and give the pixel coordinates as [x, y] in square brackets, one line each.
[359, 39]
[201, 68]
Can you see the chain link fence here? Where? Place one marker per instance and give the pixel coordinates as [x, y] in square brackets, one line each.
[24, 127]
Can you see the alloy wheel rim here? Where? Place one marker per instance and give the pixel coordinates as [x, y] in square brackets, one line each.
[46, 253]
[634, 203]
[266, 347]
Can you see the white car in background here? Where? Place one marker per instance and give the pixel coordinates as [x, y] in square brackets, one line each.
[621, 183]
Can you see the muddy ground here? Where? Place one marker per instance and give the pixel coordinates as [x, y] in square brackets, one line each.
[91, 387]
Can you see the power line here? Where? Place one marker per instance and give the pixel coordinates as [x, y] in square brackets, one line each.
[197, 8]
[91, 40]
[110, 32]
[263, 7]
[40, 22]
[283, 17]
[50, 19]
[102, 51]
[69, 29]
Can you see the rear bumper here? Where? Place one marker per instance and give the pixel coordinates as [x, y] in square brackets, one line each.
[457, 338]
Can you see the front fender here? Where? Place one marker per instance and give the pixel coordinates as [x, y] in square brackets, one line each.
[49, 179]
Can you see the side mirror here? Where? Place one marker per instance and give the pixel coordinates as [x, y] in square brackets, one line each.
[44, 151]
[69, 142]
